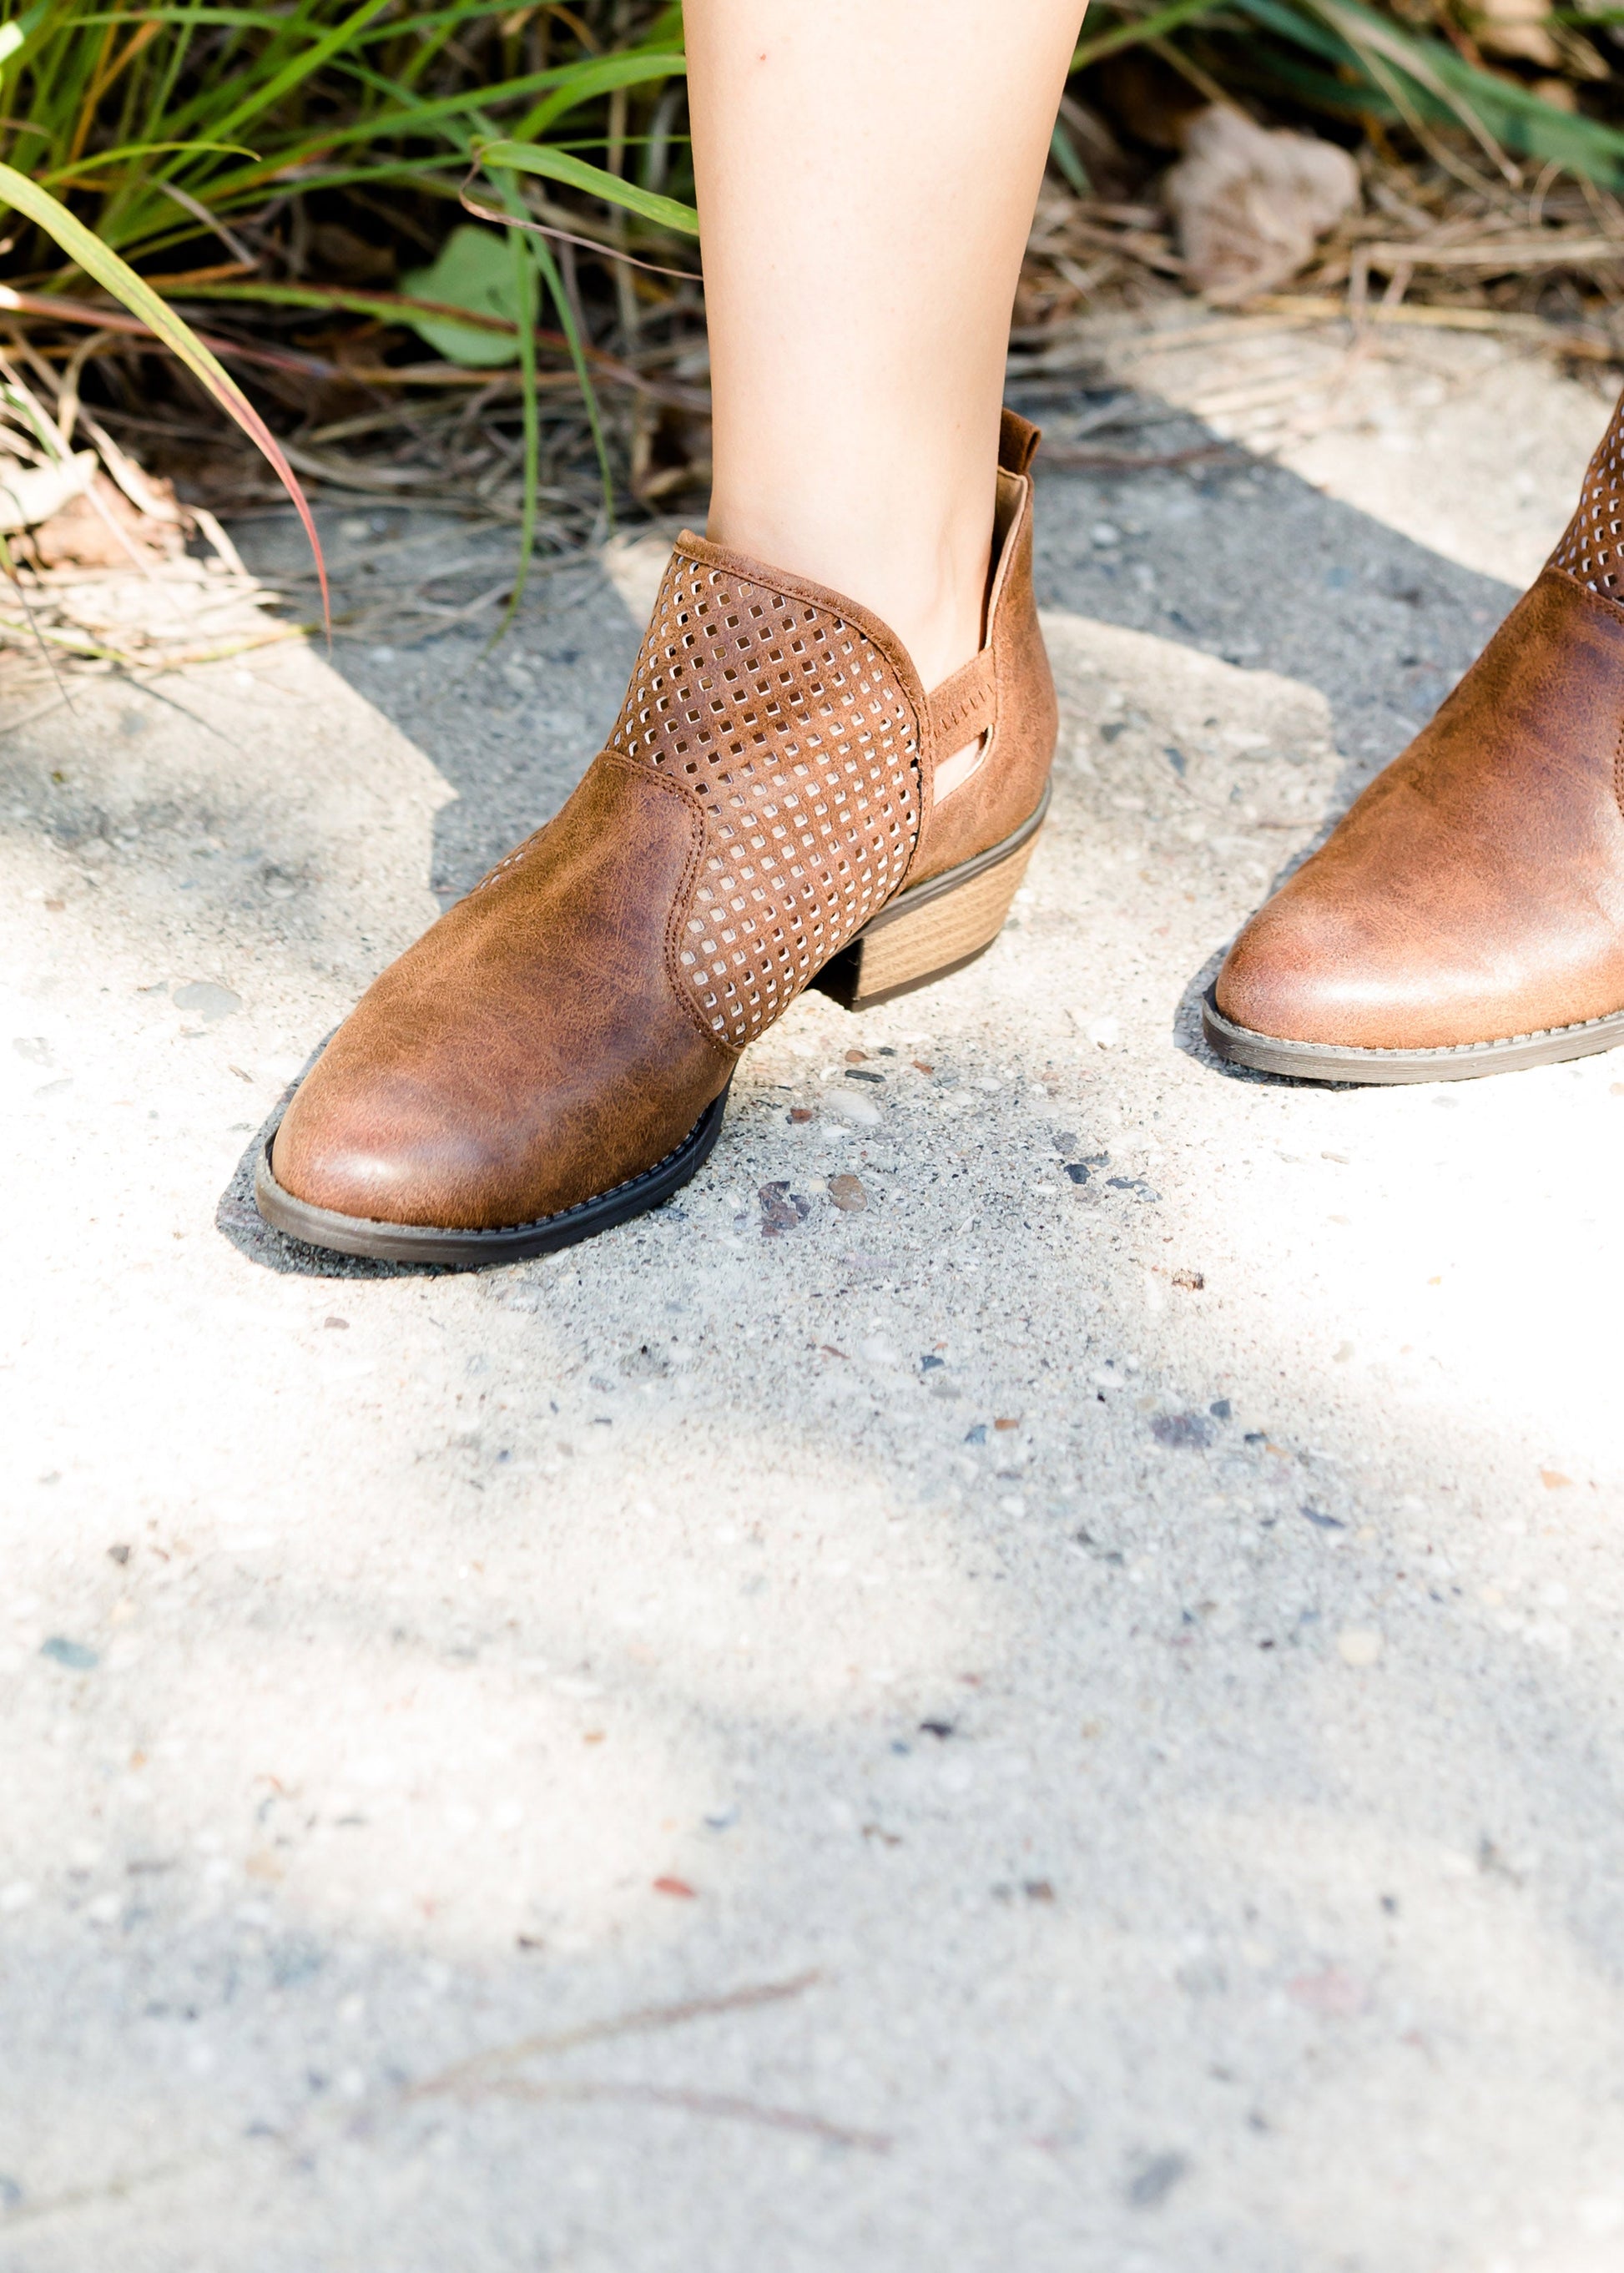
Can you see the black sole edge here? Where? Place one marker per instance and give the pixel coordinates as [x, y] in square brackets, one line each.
[1349, 1067]
[474, 1250]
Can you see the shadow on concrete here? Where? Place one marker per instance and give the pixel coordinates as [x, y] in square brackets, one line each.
[1237, 557]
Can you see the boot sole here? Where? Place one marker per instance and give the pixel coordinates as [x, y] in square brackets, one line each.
[936, 928]
[471, 1251]
[1457, 1061]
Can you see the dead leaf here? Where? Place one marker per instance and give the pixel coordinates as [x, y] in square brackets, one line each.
[1250, 201]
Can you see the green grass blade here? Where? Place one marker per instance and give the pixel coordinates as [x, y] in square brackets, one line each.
[268, 92]
[409, 118]
[116, 276]
[601, 75]
[1063, 152]
[1144, 28]
[77, 168]
[524, 279]
[560, 166]
[1440, 86]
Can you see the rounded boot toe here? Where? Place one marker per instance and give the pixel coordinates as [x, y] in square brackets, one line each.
[365, 1150]
[1300, 972]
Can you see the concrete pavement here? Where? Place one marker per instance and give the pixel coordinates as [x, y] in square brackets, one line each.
[1028, 1675]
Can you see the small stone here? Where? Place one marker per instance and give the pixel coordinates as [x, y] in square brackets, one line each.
[120, 1553]
[781, 1209]
[800, 1113]
[74, 1654]
[1221, 1408]
[678, 1888]
[1324, 1522]
[1104, 534]
[1192, 1281]
[1358, 1646]
[1183, 1431]
[1553, 1479]
[848, 1195]
[202, 998]
[1155, 2180]
[850, 1105]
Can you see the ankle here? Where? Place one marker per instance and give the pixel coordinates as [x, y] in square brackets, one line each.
[930, 589]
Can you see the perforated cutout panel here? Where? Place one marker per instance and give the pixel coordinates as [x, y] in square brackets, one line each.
[1592, 549]
[792, 729]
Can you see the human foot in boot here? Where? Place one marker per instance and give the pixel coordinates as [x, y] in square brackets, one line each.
[553, 1054]
[1466, 916]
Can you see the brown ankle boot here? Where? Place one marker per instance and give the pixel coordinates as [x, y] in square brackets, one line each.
[1467, 914]
[553, 1055]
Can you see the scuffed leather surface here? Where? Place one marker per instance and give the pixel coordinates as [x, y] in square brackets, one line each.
[1475, 891]
[530, 1050]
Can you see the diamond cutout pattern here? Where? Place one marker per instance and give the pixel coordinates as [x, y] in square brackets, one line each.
[790, 726]
[1592, 550]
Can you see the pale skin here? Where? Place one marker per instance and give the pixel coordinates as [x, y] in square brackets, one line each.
[866, 171]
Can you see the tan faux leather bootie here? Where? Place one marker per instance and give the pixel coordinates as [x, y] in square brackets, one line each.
[553, 1055]
[1466, 916]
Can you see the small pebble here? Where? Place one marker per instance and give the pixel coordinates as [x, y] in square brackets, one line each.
[1358, 1646]
[1155, 2182]
[74, 1654]
[1183, 1431]
[202, 998]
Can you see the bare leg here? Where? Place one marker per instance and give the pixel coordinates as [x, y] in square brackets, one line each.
[867, 172]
